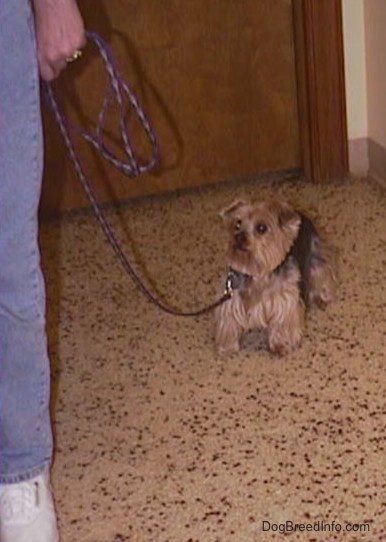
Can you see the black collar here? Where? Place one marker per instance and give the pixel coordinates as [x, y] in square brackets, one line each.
[236, 279]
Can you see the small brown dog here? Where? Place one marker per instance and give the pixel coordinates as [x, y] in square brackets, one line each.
[278, 266]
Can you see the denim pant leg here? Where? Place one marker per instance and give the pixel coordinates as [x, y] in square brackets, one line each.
[25, 426]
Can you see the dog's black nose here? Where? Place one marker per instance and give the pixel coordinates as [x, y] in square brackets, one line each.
[241, 240]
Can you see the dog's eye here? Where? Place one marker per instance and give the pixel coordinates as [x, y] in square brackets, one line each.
[238, 225]
[261, 228]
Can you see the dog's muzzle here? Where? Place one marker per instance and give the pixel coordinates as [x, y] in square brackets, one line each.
[241, 241]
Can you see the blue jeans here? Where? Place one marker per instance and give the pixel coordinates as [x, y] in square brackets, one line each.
[25, 426]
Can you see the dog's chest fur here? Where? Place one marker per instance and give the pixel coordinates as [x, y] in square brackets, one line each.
[258, 301]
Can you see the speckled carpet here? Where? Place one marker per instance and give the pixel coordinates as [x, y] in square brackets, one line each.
[158, 440]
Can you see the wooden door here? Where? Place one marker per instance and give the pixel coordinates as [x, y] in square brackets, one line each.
[217, 79]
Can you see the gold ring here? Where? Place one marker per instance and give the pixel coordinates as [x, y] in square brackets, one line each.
[75, 56]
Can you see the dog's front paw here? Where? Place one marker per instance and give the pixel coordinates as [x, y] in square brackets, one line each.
[281, 349]
[226, 351]
[282, 344]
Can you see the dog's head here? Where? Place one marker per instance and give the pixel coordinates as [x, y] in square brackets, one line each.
[260, 235]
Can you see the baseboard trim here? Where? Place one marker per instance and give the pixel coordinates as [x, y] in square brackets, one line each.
[377, 161]
[379, 180]
[358, 153]
[367, 158]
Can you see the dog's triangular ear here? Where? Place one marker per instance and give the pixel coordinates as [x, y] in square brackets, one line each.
[229, 211]
[289, 218]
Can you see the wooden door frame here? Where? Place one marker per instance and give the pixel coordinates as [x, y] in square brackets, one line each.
[319, 59]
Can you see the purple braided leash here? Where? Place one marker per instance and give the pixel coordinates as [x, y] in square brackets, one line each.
[119, 89]
[132, 168]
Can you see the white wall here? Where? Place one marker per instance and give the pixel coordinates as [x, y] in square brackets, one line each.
[375, 46]
[355, 67]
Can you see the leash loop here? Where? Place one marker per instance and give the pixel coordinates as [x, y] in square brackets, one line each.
[123, 94]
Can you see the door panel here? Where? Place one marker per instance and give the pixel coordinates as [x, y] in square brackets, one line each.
[217, 79]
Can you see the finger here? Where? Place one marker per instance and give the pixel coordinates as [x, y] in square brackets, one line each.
[51, 70]
[59, 66]
[46, 71]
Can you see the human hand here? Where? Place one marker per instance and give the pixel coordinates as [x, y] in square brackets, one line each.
[60, 33]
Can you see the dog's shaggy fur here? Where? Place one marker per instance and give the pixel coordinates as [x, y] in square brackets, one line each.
[283, 266]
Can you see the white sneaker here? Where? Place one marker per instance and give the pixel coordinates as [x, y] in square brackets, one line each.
[27, 512]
